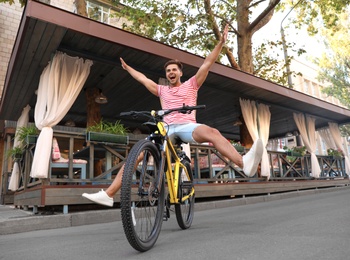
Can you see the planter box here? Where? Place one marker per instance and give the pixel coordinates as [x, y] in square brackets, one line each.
[107, 138]
[295, 154]
[336, 157]
[239, 149]
[31, 139]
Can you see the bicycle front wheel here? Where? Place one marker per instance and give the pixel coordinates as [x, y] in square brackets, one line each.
[141, 204]
[184, 210]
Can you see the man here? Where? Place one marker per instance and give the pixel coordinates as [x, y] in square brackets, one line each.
[185, 125]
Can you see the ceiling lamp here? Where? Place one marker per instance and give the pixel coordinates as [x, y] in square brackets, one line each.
[101, 99]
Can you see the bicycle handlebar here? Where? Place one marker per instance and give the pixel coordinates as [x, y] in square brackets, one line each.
[184, 109]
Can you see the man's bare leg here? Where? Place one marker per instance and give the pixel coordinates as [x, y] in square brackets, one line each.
[248, 162]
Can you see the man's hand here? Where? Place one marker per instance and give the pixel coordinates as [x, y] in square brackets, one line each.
[124, 65]
[224, 35]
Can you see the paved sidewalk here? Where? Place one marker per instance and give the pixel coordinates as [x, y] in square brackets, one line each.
[14, 220]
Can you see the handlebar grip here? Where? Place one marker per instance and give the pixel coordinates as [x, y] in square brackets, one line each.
[126, 113]
[200, 107]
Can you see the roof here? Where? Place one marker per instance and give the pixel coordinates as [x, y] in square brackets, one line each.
[45, 29]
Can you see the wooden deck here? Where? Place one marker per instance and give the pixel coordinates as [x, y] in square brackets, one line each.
[66, 195]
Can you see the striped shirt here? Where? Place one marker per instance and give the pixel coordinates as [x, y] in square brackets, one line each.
[173, 97]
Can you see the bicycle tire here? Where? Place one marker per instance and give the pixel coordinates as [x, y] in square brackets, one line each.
[142, 213]
[184, 211]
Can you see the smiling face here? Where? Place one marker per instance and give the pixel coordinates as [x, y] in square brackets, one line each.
[173, 74]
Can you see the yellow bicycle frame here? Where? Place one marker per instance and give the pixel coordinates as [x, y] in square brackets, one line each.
[173, 176]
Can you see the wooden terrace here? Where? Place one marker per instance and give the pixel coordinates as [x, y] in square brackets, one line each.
[214, 175]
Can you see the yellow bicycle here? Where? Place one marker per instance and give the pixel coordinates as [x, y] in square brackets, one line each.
[143, 203]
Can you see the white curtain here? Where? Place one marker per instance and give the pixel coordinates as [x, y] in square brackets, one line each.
[327, 138]
[307, 132]
[258, 117]
[60, 84]
[21, 122]
[335, 132]
[264, 117]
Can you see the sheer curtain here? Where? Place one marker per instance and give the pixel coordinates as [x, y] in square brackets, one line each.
[264, 117]
[308, 134]
[21, 122]
[335, 132]
[257, 120]
[327, 138]
[60, 84]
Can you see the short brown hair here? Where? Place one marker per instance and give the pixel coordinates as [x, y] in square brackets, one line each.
[176, 62]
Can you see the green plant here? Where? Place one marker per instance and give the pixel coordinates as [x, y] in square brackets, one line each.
[25, 131]
[296, 149]
[108, 127]
[334, 152]
[15, 152]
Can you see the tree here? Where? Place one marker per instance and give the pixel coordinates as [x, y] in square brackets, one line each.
[335, 62]
[192, 25]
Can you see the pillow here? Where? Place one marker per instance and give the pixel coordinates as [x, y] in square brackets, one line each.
[56, 154]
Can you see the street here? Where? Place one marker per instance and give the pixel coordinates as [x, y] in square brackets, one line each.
[305, 227]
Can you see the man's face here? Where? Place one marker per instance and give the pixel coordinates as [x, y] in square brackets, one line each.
[173, 74]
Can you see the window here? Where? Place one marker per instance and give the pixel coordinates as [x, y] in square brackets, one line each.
[98, 12]
[306, 86]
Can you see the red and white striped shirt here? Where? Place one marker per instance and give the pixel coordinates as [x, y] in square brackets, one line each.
[173, 97]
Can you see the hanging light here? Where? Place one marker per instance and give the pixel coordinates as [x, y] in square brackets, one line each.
[101, 99]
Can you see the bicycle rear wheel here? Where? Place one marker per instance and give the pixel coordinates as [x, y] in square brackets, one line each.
[141, 205]
[184, 210]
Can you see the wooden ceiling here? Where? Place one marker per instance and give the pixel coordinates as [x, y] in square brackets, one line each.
[45, 29]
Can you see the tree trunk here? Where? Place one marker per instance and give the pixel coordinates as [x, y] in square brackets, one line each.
[244, 38]
[81, 7]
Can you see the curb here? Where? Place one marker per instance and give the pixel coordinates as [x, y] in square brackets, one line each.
[32, 222]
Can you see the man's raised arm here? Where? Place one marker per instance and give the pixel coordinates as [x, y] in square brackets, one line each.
[149, 84]
[203, 71]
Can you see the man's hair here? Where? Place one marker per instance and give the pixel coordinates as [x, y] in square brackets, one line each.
[176, 62]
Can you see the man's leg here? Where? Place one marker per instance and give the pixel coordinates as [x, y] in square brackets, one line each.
[249, 162]
[106, 197]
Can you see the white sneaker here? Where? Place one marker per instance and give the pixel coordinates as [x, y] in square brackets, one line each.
[100, 197]
[252, 159]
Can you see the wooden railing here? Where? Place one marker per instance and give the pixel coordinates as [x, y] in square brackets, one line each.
[209, 166]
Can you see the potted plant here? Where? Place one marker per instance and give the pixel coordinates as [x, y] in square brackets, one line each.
[16, 153]
[335, 153]
[107, 132]
[27, 134]
[295, 151]
[238, 146]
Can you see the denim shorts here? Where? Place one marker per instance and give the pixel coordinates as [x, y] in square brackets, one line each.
[182, 131]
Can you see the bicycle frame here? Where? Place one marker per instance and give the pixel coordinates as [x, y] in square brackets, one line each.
[172, 175]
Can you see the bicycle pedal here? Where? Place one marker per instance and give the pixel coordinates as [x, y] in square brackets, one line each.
[187, 185]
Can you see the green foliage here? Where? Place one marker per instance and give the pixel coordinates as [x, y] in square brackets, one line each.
[296, 149]
[319, 14]
[335, 62]
[344, 130]
[334, 152]
[25, 131]
[15, 152]
[108, 127]
[22, 2]
[270, 67]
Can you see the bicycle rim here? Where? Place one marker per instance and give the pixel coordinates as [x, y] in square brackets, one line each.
[141, 211]
[184, 210]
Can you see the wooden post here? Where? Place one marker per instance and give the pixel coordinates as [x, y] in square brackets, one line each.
[245, 137]
[93, 116]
